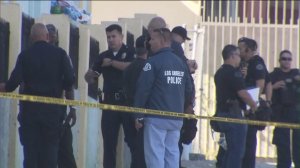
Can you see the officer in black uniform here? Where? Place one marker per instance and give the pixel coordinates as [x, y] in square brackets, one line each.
[44, 70]
[284, 105]
[256, 76]
[111, 64]
[66, 157]
[231, 93]
[131, 75]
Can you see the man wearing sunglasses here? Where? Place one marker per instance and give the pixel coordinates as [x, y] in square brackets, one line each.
[285, 85]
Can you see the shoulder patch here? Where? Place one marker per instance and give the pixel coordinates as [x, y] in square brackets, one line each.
[147, 67]
[259, 67]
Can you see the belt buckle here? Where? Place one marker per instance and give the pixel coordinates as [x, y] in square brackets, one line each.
[117, 96]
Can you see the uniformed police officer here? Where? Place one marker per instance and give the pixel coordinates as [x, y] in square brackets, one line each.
[111, 64]
[45, 70]
[231, 92]
[256, 76]
[189, 128]
[284, 105]
[131, 75]
[66, 157]
[163, 85]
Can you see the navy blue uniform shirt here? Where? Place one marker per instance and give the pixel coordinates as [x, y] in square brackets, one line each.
[130, 77]
[228, 81]
[112, 76]
[44, 70]
[286, 95]
[256, 70]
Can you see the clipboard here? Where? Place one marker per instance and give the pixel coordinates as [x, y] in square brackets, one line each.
[254, 93]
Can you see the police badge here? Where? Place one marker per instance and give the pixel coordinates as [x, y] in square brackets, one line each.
[259, 67]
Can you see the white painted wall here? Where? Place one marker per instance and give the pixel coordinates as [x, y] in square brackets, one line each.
[175, 12]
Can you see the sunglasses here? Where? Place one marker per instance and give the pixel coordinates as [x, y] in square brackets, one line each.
[285, 59]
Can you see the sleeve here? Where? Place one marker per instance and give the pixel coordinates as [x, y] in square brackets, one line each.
[272, 77]
[189, 90]
[260, 70]
[178, 50]
[238, 82]
[130, 54]
[16, 76]
[68, 72]
[144, 86]
[97, 64]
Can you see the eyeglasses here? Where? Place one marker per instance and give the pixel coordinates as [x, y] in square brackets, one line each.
[285, 59]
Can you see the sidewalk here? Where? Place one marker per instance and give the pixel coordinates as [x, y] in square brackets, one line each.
[211, 164]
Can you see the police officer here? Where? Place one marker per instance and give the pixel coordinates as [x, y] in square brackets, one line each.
[231, 92]
[255, 76]
[45, 70]
[66, 157]
[189, 128]
[111, 64]
[284, 105]
[163, 85]
[131, 75]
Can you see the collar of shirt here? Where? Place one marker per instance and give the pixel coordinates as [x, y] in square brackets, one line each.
[227, 66]
[166, 49]
[116, 53]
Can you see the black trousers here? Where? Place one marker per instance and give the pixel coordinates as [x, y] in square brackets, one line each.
[110, 126]
[138, 158]
[40, 139]
[281, 139]
[66, 157]
[250, 152]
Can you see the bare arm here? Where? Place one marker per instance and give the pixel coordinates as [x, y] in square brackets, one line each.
[269, 91]
[260, 84]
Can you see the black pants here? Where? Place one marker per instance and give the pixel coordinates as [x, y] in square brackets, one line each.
[40, 140]
[110, 126]
[138, 158]
[220, 157]
[66, 157]
[180, 146]
[250, 152]
[281, 139]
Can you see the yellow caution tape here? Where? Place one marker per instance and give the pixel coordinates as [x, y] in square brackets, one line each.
[102, 106]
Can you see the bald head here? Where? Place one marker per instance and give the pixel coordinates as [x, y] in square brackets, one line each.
[39, 32]
[156, 23]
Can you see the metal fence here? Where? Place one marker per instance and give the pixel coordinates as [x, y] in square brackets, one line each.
[271, 39]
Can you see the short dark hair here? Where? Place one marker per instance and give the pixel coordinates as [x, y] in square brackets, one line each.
[140, 45]
[285, 51]
[228, 50]
[113, 27]
[250, 43]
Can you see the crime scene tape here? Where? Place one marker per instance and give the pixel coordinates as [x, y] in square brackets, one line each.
[66, 102]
